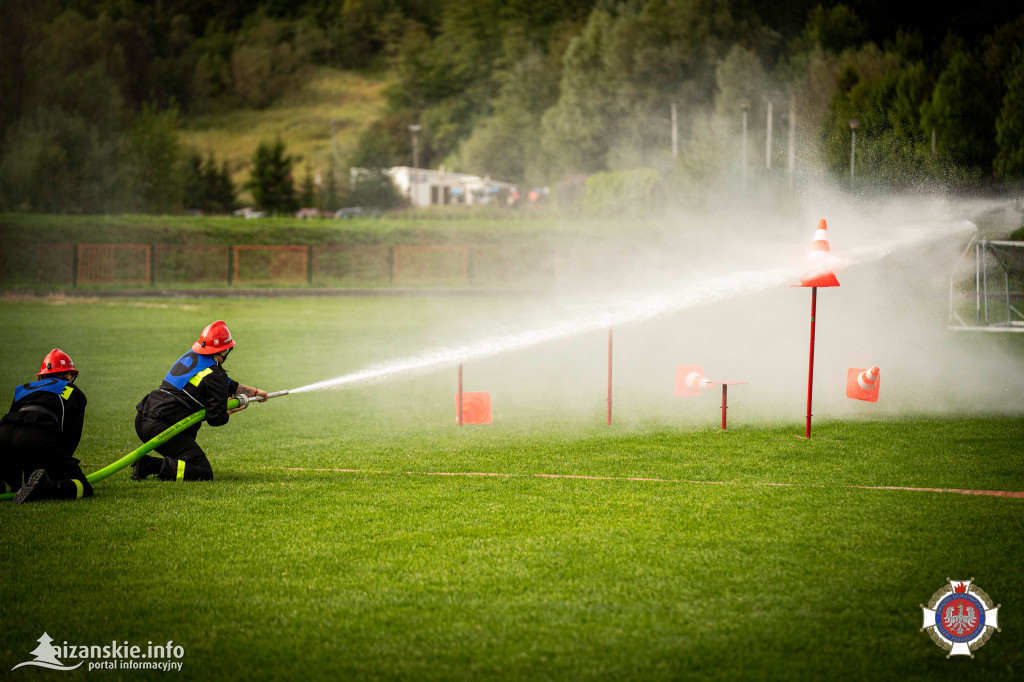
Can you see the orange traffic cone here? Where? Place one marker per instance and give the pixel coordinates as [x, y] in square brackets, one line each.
[862, 384]
[819, 273]
[690, 380]
[476, 407]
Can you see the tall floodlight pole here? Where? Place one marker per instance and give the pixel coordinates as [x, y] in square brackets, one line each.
[745, 106]
[675, 132]
[854, 124]
[415, 130]
[609, 376]
[768, 138]
[791, 155]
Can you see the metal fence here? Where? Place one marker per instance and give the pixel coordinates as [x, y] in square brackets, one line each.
[98, 265]
[104, 263]
[986, 293]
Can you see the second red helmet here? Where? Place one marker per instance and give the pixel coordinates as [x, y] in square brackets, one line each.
[214, 339]
[56, 362]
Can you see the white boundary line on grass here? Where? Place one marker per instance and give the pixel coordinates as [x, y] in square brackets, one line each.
[990, 493]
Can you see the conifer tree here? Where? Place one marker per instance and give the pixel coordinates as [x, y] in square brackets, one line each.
[1009, 162]
[270, 181]
[308, 196]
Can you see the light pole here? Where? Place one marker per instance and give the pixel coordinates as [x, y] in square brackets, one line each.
[414, 129]
[745, 105]
[675, 132]
[854, 124]
[791, 150]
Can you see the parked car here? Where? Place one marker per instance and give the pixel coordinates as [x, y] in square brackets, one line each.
[304, 213]
[249, 212]
[356, 212]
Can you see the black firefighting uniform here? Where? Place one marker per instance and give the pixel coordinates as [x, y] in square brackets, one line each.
[195, 382]
[41, 431]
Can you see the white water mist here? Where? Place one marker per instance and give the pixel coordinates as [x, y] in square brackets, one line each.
[715, 279]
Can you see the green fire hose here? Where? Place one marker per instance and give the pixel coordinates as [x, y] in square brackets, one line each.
[160, 439]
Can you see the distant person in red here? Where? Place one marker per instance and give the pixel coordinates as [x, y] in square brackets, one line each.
[196, 381]
[39, 435]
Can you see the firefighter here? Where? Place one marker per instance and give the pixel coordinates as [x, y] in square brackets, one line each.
[196, 381]
[39, 435]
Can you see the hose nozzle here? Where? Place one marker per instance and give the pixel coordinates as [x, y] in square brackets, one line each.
[244, 400]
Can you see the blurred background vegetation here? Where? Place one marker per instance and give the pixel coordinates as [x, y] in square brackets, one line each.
[117, 106]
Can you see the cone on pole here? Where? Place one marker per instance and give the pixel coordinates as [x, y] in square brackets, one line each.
[475, 408]
[819, 274]
[819, 261]
[690, 380]
[862, 384]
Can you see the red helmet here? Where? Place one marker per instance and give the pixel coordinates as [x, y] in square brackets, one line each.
[214, 339]
[56, 362]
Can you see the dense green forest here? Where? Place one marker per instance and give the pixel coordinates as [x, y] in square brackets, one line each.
[93, 94]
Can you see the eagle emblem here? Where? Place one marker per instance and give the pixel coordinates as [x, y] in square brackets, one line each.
[960, 617]
[960, 622]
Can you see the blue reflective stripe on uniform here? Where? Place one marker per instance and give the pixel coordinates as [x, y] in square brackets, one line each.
[80, 488]
[199, 377]
[186, 367]
[181, 471]
[48, 385]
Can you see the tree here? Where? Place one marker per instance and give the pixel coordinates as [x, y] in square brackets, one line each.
[307, 197]
[19, 30]
[329, 197]
[576, 130]
[1009, 161]
[373, 188]
[151, 162]
[57, 162]
[623, 72]
[270, 180]
[739, 75]
[269, 54]
[207, 184]
[192, 183]
[506, 144]
[963, 110]
[834, 30]
[224, 190]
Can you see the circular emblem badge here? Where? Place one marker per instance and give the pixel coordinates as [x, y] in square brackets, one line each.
[960, 617]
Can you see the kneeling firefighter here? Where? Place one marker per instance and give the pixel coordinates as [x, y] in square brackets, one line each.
[196, 381]
[39, 435]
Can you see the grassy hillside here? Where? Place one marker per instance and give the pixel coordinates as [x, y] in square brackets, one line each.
[303, 120]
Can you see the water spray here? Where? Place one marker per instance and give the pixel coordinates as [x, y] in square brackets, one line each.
[704, 288]
[238, 401]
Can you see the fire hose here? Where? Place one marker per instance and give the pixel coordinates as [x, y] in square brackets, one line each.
[240, 401]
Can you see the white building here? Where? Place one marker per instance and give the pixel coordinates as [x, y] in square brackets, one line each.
[429, 187]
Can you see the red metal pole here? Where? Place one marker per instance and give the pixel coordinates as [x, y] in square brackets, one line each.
[460, 394]
[609, 376]
[724, 387]
[810, 368]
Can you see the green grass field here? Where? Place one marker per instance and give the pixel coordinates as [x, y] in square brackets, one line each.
[329, 546]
